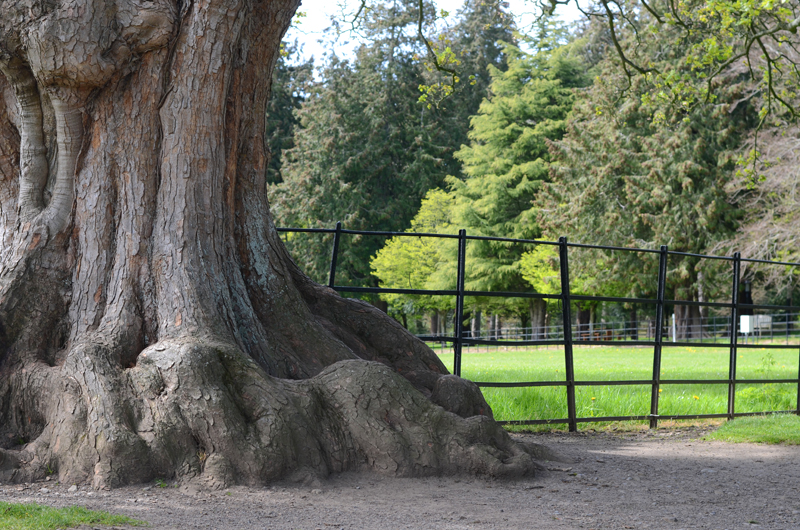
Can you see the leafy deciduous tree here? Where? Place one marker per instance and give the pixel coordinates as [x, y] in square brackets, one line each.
[421, 263]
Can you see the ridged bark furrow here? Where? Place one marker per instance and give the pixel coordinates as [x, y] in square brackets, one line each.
[151, 321]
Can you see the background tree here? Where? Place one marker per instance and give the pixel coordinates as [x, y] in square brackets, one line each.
[633, 172]
[290, 84]
[358, 159]
[507, 161]
[368, 151]
[475, 36]
[713, 37]
[541, 268]
[421, 263]
[152, 323]
[769, 228]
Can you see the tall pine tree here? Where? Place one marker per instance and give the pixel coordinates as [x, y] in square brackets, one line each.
[507, 162]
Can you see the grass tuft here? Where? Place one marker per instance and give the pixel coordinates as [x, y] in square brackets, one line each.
[36, 517]
[770, 429]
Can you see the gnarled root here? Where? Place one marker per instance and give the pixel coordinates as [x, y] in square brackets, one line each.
[369, 333]
[204, 412]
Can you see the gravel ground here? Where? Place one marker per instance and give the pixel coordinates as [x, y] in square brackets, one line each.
[668, 479]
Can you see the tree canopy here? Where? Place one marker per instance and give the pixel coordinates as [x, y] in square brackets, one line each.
[366, 150]
[663, 142]
[631, 172]
[507, 160]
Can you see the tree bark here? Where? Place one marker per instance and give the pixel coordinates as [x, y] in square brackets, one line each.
[475, 328]
[151, 322]
[689, 318]
[633, 325]
[466, 324]
[583, 322]
[538, 311]
[688, 322]
[496, 327]
[435, 323]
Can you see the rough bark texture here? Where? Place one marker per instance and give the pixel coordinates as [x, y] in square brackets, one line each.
[151, 321]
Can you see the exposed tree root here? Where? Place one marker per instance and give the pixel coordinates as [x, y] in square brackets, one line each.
[211, 414]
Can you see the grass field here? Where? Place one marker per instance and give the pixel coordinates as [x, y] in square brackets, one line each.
[771, 429]
[608, 363]
[36, 517]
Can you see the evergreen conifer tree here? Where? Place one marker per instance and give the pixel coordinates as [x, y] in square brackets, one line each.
[633, 171]
[367, 150]
[290, 81]
[507, 162]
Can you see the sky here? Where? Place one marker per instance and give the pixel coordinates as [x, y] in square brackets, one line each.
[319, 12]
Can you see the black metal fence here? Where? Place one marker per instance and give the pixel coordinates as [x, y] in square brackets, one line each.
[567, 340]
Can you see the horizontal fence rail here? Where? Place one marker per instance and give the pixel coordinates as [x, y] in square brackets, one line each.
[779, 326]
[716, 332]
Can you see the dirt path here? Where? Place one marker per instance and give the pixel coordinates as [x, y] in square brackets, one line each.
[663, 480]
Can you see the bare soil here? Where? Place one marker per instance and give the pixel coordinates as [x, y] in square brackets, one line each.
[665, 479]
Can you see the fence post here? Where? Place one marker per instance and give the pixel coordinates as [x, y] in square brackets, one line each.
[797, 410]
[660, 294]
[334, 254]
[567, 317]
[462, 253]
[787, 317]
[737, 264]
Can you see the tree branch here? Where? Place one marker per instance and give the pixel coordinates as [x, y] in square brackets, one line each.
[431, 53]
[625, 61]
[653, 12]
[771, 93]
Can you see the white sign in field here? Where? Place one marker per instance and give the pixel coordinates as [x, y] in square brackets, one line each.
[754, 323]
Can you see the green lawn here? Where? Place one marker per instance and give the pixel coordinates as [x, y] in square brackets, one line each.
[35, 517]
[771, 429]
[606, 363]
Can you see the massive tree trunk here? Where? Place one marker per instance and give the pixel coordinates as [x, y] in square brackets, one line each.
[151, 321]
